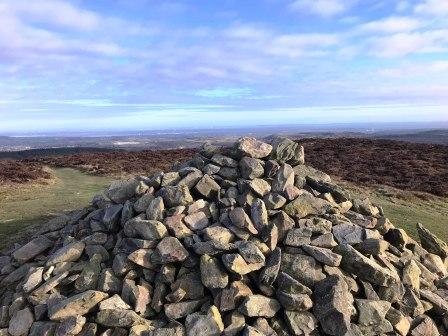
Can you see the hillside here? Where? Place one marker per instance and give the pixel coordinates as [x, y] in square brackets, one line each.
[403, 165]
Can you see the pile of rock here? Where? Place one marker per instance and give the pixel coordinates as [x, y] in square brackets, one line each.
[246, 241]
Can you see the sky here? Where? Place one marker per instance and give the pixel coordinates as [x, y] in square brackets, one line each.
[151, 64]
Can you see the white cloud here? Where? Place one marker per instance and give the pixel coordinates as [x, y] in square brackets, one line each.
[53, 12]
[433, 7]
[296, 45]
[393, 24]
[402, 44]
[225, 93]
[412, 70]
[324, 8]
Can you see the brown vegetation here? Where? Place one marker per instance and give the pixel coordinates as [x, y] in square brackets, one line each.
[118, 163]
[403, 165]
[20, 172]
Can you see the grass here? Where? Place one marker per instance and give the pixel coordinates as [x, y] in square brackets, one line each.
[25, 206]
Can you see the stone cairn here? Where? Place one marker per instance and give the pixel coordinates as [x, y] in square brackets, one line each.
[243, 241]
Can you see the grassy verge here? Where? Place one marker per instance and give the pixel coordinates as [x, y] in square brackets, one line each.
[26, 206]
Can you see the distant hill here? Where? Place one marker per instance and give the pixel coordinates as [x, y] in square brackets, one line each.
[432, 136]
[24, 154]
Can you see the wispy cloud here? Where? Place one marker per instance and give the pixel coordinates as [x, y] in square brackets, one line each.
[324, 8]
[432, 7]
[68, 58]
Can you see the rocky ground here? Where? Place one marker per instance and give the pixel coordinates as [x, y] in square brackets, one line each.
[250, 241]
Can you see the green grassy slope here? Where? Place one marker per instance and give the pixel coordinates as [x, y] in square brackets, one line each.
[27, 206]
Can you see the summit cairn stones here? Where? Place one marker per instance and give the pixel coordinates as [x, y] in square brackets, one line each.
[245, 241]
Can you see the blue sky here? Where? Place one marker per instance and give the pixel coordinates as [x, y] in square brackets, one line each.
[150, 64]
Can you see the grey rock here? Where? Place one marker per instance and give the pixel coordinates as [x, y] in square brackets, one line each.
[355, 263]
[212, 273]
[399, 322]
[333, 305]
[69, 252]
[70, 326]
[197, 221]
[295, 302]
[253, 148]
[317, 225]
[145, 229]
[259, 305]
[259, 214]
[300, 323]
[250, 252]
[326, 240]
[21, 322]
[287, 151]
[269, 273]
[298, 237]
[372, 246]
[303, 171]
[431, 243]
[170, 250]
[303, 268]
[274, 201]
[75, 305]
[251, 168]
[251, 331]
[33, 279]
[121, 191]
[32, 249]
[142, 257]
[208, 149]
[177, 227]
[224, 161]
[108, 282]
[208, 188]
[241, 220]
[170, 179]
[174, 196]
[115, 302]
[112, 217]
[236, 264]
[207, 325]
[191, 179]
[283, 223]
[323, 255]
[372, 316]
[179, 310]
[234, 323]
[142, 203]
[260, 187]
[340, 195]
[306, 204]
[119, 318]
[39, 328]
[349, 234]
[283, 179]
[155, 209]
